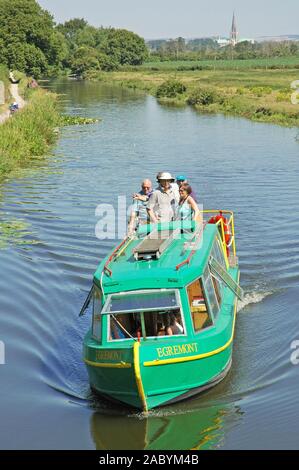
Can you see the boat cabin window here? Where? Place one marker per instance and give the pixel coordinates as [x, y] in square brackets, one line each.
[218, 284]
[144, 314]
[217, 252]
[210, 292]
[97, 317]
[145, 324]
[201, 317]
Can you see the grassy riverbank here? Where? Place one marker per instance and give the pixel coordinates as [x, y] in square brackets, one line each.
[5, 81]
[257, 93]
[30, 132]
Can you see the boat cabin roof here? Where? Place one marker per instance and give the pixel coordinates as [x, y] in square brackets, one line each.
[125, 272]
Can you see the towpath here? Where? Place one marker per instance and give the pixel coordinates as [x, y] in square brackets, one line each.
[15, 97]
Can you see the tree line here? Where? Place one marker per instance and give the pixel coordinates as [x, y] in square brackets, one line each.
[31, 42]
[209, 49]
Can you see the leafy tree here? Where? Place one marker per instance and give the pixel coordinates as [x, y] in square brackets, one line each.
[35, 59]
[84, 59]
[59, 50]
[70, 28]
[125, 47]
[86, 37]
[27, 35]
[107, 63]
[111, 47]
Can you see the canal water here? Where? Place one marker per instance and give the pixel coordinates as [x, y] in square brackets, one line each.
[49, 251]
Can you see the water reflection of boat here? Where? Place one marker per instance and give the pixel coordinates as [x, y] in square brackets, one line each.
[164, 309]
[200, 429]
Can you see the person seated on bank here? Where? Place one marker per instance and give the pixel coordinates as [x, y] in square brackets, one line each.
[163, 202]
[182, 179]
[187, 208]
[139, 215]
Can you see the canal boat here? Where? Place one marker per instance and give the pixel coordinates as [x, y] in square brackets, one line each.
[164, 308]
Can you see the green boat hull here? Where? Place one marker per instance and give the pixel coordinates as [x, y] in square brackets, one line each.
[160, 393]
[149, 374]
[153, 371]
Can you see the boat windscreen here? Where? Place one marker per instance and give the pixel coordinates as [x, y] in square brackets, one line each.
[141, 301]
[150, 324]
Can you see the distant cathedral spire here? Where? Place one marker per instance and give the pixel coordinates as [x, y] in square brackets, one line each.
[234, 32]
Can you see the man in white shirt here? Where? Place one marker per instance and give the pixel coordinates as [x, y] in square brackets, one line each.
[163, 202]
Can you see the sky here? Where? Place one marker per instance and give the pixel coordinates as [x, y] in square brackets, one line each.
[186, 18]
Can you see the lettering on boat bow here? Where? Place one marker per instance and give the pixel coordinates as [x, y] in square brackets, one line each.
[109, 355]
[168, 351]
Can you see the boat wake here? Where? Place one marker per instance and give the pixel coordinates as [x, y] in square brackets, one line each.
[252, 298]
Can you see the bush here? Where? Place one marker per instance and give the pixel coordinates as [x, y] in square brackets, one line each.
[283, 96]
[263, 112]
[185, 68]
[170, 89]
[261, 90]
[202, 96]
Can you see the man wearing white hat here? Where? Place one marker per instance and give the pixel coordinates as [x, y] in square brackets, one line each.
[163, 202]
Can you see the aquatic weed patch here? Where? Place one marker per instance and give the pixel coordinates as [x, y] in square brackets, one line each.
[67, 120]
[14, 232]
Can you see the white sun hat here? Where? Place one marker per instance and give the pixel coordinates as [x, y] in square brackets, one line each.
[164, 175]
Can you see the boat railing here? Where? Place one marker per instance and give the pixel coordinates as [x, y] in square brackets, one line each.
[225, 227]
[116, 253]
[197, 234]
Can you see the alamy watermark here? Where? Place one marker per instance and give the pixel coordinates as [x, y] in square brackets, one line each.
[295, 95]
[295, 354]
[2, 93]
[113, 221]
[2, 353]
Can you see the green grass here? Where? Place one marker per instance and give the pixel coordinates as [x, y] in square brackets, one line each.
[237, 64]
[29, 133]
[5, 80]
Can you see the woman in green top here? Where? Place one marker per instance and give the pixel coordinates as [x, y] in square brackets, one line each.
[187, 208]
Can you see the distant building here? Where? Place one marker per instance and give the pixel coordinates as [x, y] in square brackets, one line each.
[222, 42]
[234, 32]
[233, 40]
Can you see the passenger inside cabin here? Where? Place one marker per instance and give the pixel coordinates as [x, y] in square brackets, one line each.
[116, 332]
[170, 325]
[175, 325]
[129, 325]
